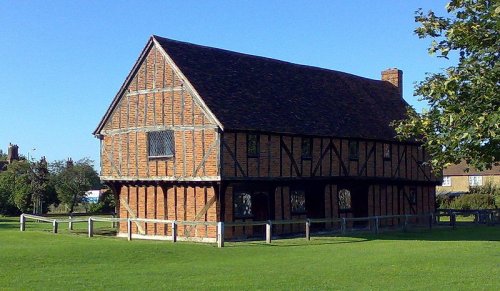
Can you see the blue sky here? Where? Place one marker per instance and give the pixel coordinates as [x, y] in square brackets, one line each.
[62, 62]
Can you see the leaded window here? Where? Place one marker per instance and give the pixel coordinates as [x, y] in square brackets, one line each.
[242, 205]
[253, 146]
[306, 148]
[298, 201]
[353, 150]
[413, 196]
[161, 144]
[387, 151]
[344, 199]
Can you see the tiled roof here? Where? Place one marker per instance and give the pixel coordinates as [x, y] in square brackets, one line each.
[248, 92]
[459, 170]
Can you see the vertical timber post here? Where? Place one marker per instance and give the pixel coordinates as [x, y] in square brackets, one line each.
[308, 229]
[431, 220]
[220, 234]
[174, 231]
[376, 224]
[343, 226]
[70, 222]
[405, 225]
[22, 222]
[91, 227]
[269, 227]
[129, 229]
[453, 220]
[113, 222]
[55, 225]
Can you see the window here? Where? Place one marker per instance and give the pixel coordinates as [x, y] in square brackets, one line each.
[253, 146]
[242, 204]
[298, 201]
[387, 151]
[344, 199]
[475, 181]
[353, 150]
[446, 181]
[161, 144]
[413, 196]
[306, 148]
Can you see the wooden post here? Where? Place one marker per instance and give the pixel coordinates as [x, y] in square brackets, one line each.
[129, 229]
[269, 226]
[220, 234]
[343, 226]
[453, 220]
[70, 223]
[376, 224]
[174, 231]
[55, 225]
[91, 227]
[22, 222]
[405, 225]
[113, 223]
[431, 220]
[308, 229]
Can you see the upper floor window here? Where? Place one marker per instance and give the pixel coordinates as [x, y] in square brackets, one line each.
[446, 181]
[298, 201]
[306, 147]
[161, 144]
[253, 145]
[475, 181]
[344, 199]
[353, 150]
[387, 151]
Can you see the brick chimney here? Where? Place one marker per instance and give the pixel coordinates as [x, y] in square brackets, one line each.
[395, 77]
[13, 153]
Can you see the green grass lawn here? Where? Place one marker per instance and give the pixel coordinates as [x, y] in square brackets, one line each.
[467, 258]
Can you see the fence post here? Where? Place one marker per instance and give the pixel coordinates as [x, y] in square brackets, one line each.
[269, 226]
[70, 223]
[220, 234]
[91, 227]
[376, 224]
[129, 229]
[453, 220]
[308, 229]
[343, 226]
[174, 231]
[405, 225]
[431, 220]
[55, 225]
[22, 221]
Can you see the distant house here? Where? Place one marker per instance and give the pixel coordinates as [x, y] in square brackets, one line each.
[203, 134]
[457, 181]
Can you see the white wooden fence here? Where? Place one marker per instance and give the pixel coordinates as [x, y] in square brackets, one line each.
[373, 223]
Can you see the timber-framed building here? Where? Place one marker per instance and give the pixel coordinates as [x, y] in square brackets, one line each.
[203, 134]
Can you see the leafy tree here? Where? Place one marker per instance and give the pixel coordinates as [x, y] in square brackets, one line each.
[15, 186]
[73, 180]
[463, 119]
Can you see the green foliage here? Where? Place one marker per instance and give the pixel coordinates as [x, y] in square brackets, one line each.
[106, 203]
[72, 181]
[463, 119]
[473, 201]
[16, 185]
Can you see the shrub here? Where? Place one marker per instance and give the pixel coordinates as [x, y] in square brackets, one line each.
[473, 201]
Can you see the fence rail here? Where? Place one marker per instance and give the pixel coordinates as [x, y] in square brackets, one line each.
[374, 222]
